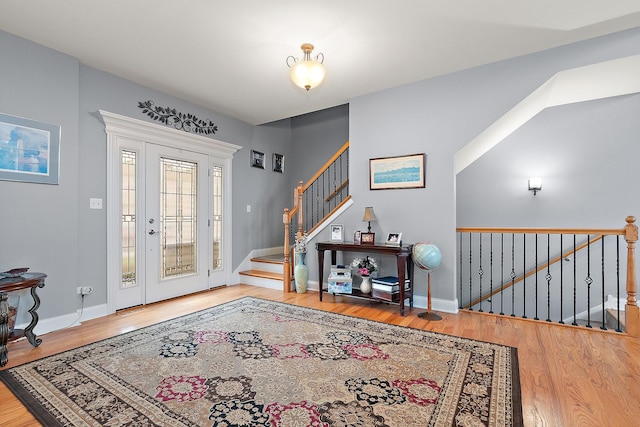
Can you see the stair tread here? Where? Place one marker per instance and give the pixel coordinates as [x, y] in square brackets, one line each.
[262, 273]
[270, 259]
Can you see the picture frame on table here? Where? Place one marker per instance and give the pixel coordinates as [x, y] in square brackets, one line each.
[389, 173]
[393, 239]
[367, 238]
[257, 159]
[278, 162]
[356, 237]
[31, 150]
[337, 233]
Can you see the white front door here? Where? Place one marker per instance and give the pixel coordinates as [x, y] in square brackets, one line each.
[168, 212]
[176, 215]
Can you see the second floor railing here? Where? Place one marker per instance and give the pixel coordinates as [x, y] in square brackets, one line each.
[318, 198]
[554, 275]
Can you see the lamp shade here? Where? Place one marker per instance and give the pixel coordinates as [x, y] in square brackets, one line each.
[368, 214]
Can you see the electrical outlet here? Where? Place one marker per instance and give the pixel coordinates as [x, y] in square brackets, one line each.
[84, 290]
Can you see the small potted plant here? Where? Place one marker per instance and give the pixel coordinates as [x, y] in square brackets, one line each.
[366, 266]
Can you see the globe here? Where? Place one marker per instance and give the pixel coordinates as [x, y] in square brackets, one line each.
[427, 256]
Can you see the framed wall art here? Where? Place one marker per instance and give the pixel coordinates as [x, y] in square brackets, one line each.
[278, 162]
[386, 173]
[29, 150]
[257, 159]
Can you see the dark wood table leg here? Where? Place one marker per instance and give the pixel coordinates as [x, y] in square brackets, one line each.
[28, 331]
[410, 276]
[320, 272]
[401, 262]
[4, 327]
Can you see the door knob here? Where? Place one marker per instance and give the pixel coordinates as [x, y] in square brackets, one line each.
[152, 232]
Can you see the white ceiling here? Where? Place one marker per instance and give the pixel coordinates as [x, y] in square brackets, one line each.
[229, 56]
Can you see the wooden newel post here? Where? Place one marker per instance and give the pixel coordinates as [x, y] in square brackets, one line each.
[287, 258]
[300, 191]
[632, 311]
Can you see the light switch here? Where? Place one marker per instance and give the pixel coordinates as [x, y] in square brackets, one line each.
[248, 208]
[95, 203]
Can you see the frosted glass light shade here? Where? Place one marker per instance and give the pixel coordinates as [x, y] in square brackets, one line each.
[307, 74]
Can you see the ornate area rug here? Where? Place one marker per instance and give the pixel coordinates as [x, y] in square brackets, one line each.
[253, 362]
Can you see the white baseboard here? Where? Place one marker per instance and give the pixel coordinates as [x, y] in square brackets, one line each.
[46, 325]
[437, 304]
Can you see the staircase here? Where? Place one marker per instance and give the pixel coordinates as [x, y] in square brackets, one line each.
[266, 271]
[321, 199]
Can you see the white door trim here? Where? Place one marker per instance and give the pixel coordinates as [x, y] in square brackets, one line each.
[119, 128]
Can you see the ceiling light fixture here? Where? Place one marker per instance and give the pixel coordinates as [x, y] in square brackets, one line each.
[307, 72]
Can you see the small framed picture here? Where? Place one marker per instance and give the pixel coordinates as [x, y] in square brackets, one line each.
[337, 233]
[393, 239]
[368, 238]
[278, 162]
[356, 237]
[257, 159]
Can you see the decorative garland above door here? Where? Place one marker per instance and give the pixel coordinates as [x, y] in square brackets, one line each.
[181, 121]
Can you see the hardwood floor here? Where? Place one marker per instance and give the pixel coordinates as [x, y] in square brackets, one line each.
[569, 376]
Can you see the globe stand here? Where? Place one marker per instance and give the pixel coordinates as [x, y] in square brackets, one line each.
[429, 315]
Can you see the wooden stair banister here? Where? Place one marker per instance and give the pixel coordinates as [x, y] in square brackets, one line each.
[519, 279]
[630, 234]
[297, 209]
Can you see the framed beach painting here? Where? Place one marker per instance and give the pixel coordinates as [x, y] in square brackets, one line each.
[29, 150]
[386, 173]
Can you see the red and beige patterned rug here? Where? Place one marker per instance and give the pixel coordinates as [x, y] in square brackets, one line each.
[253, 362]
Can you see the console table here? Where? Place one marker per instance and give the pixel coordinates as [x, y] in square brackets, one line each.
[404, 263]
[11, 284]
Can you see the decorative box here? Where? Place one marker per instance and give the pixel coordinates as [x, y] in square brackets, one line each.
[340, 282]
[341, 269]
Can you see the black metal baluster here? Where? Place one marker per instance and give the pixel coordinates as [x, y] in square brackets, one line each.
[588, 280]
[604, 312]
[322, 197]
[548, 277]
[480, 274]
[524, 276]
[334, 198]
[561, 281]
[470, 276]
[319, 209]
[575, 282]
[491, 275]
[536, 317]
[513, 274]
[502, 274]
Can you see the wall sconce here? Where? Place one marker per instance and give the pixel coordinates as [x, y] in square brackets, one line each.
[535, 185]
[307, 72]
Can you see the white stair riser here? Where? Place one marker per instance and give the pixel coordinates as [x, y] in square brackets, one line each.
[266, 266]
[261, 282]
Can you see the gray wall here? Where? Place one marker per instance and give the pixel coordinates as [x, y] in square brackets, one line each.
[39, 222]
[586, 153]
[315, 138]
[438, 117]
